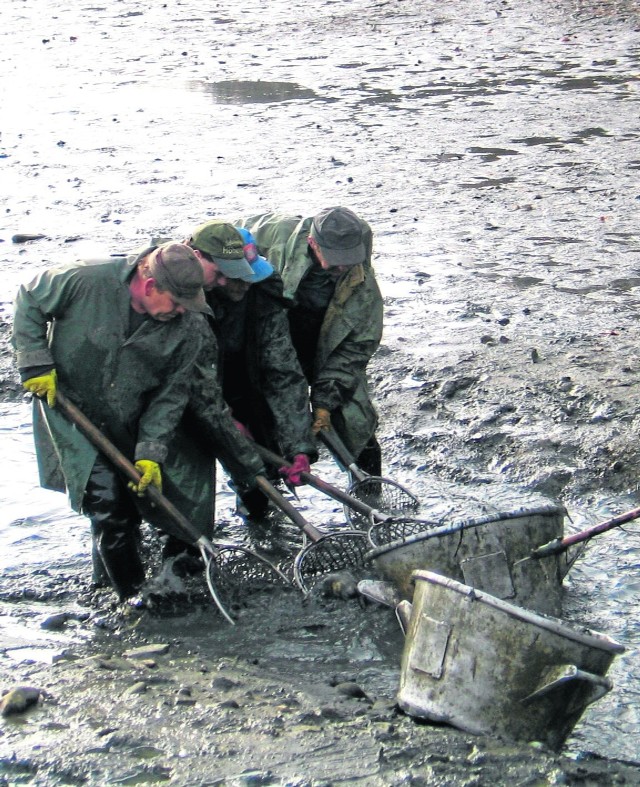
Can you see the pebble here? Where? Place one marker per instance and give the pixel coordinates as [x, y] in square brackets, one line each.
[19, 699]
[55, 622]
[350, 689]
[139, 687]
[223, 684]
[25, 237]
[229, 704]
[146, 651]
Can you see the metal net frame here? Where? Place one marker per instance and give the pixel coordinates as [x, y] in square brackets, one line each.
[380, 494]
[336, 552]
[235, 573]
[398, 529]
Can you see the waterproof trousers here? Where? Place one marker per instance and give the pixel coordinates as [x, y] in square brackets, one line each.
[370, 459]
[115, 522]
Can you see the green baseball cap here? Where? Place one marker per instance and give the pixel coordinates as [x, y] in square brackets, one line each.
[225, 245]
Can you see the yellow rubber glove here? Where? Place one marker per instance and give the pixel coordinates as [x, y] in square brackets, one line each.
[321, 419]
[150, 472]
[44, 385]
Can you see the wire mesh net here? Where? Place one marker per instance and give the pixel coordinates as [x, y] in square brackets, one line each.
[332, 553]
[234, 574]
[383, 495]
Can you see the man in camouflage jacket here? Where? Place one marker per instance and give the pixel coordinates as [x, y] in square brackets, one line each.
[336, 320]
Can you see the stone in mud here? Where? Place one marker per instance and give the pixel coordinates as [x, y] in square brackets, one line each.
[25, 237]
[233, 704]
[223, 684]
[107, 663]
[146, 651]
[55, 622]
[19, 699]
[139, 687]
[353, 690]
[331, 713]
[450, 387]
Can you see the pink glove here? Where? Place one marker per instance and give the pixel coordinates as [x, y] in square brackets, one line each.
[242, 429]
[291, 473]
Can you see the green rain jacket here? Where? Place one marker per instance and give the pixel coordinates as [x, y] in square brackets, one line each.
[206, 433]
[133, 388]
[352, 327]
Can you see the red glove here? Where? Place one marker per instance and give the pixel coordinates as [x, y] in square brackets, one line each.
[242, 429]
[291, 473]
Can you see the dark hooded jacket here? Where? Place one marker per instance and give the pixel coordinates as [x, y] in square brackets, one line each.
[262, 380]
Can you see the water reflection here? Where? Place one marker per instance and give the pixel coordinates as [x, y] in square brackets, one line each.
[36, 525]
[235, 91]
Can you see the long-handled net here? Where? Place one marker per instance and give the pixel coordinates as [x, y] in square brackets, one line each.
[321, 553]
[398, 528]
[381, 494]
[234, 573]
[377, 492]
[331, 553]
[231, 571]
[362, 513]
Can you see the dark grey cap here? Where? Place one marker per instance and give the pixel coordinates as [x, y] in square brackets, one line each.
[338, 232]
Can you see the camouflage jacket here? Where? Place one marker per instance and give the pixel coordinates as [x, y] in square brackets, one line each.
[352, 327]
[275, 402]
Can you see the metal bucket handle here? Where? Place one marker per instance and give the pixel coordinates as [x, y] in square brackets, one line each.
[403, 614]
[558, 676]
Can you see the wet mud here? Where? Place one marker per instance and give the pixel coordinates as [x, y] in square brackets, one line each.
[493, 149]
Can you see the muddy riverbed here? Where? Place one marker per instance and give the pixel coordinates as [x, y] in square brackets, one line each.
[493, 149]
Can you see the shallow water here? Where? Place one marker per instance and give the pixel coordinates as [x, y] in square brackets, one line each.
[34, 523]
[492, 147]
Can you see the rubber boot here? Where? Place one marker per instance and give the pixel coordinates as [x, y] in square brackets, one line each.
[99, 576]
[253, 505]
[114, 526]
[370, 459]
[186, 558]
[118, 547]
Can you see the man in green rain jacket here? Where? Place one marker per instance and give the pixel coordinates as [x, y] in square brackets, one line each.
[336, 320]
[120, 337]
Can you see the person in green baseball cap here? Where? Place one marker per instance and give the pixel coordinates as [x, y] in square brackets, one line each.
[222, 245]
[262, 381]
